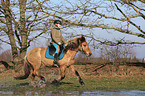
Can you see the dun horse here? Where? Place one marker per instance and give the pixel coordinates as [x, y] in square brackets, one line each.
[36, 57]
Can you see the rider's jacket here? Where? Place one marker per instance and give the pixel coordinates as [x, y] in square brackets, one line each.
[56, 35]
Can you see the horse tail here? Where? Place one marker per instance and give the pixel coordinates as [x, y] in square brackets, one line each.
[27, 70]
[7, 66]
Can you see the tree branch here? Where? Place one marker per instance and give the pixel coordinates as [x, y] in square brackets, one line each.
[44, 31]
[110, 43]
[5, 30]
[142, 1]
[99, 26]
[141, 14]
[138, 27]
[5, 42]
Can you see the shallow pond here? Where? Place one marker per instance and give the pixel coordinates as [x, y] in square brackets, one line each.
[76, 93]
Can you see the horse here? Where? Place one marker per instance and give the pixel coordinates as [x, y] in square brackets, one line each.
[36, 57]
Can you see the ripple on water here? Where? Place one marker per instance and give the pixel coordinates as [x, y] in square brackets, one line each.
[77, 93]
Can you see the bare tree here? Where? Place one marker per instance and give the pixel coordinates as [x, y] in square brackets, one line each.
[117, 54]
[21, 18]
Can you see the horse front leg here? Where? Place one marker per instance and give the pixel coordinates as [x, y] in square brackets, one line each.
[77, 74]
[61, 76]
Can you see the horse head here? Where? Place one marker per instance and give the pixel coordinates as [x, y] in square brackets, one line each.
[83, 46]
[80, 44]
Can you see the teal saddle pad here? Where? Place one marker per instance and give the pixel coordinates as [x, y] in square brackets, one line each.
[51, 50]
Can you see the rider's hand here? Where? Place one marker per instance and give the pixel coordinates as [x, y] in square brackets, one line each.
[59, 43]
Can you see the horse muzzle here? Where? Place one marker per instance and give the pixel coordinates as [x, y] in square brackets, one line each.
[88, 54]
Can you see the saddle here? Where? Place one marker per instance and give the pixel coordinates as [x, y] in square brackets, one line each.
[51, 51]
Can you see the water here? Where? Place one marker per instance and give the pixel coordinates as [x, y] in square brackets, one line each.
[76, 93]
[121, 93]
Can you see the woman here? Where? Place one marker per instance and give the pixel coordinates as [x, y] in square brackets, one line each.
[57, 40]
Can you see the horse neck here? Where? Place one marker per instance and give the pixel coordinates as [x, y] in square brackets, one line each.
[71, 53]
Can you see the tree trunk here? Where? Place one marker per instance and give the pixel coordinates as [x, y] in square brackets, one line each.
[10, 33]
[23, 31]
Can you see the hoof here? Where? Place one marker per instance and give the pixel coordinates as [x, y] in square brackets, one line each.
[82, 83]
[43, 79]
[41, 84]
[33, 83]
[54, 81]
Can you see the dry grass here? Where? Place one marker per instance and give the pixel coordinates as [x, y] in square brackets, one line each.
[86, 70]
[6, 56]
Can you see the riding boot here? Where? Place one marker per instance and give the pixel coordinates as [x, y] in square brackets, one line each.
[55, 62]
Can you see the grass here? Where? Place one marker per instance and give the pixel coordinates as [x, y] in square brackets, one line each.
[70, 83]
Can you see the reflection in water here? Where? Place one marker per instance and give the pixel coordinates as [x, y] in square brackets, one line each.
[121, 93]
[77, 93]
[6, 92]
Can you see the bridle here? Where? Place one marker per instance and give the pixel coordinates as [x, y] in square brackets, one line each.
[81, 49]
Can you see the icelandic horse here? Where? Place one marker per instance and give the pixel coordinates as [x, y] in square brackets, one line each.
[35, 57]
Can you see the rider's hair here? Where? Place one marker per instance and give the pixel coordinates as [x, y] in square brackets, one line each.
[57, 22]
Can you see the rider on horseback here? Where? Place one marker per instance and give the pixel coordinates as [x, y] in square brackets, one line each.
[57, 40]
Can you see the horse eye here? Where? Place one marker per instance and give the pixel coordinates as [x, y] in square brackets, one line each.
[84, 45]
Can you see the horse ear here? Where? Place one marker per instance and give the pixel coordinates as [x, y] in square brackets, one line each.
[82, 39]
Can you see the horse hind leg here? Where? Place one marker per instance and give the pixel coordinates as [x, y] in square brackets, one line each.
[40, 76]
[37, 64]
[39, 83]
[33, 83]
[36, 73]
[33, 76]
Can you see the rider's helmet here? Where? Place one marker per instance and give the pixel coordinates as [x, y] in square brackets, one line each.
[57, 22]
